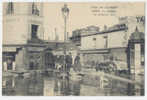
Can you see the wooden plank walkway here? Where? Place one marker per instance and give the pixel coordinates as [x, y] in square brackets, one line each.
[114, 77]
[89, 72]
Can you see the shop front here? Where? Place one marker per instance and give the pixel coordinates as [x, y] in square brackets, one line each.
[8, 58]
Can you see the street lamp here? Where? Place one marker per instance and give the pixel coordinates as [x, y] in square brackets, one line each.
[65, 13]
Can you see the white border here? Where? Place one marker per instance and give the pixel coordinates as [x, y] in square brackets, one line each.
[74, 0]
[73, 97]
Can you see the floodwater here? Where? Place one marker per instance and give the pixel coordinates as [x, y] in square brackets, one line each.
[52, 85]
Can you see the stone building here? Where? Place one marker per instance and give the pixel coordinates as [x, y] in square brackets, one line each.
[76, 34]
[106, 44]
[22, 33]
[112, 42]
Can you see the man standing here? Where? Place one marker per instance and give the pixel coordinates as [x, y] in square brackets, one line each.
[77, 64]
[68, 62]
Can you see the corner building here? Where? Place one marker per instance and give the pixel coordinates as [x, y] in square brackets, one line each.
[22, 33]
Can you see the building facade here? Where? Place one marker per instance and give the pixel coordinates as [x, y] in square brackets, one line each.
[104, 39]
[112, 42]
[76, 34]
[101, 46]
[22, 33]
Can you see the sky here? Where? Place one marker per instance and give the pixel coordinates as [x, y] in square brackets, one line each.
[82, 15]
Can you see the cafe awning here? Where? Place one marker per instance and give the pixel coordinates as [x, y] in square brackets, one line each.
[97, 51]
[35, 49]
[9, 49]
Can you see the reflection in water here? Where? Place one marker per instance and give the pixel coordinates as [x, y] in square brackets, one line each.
[48, 89]
[39, 85]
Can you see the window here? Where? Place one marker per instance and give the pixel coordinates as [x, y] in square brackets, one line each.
[34, 29]
[106, 41]
[35, 10]
[10, 8]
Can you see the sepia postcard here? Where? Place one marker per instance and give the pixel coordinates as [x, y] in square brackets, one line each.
[73, 49]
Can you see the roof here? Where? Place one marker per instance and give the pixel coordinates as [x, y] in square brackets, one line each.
[137, 35]
[117, 27]
[67, 45]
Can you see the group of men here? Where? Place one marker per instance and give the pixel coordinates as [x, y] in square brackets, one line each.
[69, 63]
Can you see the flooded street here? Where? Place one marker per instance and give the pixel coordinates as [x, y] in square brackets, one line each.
[73, 48]
[52, 85]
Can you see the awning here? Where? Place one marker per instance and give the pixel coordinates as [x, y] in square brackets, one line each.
[100, 51]
[35, 49]
[9, 49]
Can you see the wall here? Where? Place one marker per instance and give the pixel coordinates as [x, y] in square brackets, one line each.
[88, 42]
[17, 26]
[115, 40]
[14, 30]
[19, 60]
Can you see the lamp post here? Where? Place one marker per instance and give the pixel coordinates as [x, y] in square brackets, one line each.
[65, 13]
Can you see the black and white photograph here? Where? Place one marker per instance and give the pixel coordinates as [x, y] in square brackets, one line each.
[73, 48]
